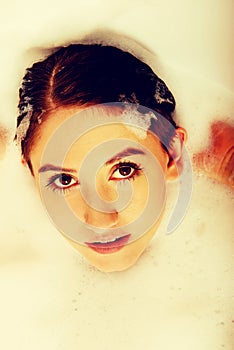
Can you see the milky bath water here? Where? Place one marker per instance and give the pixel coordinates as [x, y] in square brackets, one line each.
[179, 294]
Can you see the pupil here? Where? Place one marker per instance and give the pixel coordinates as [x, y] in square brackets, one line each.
[65, 179]
[125, 171]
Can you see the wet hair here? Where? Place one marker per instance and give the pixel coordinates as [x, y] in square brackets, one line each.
[86, 75]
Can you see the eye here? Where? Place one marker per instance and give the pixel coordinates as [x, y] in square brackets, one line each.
[125, 170]
[62, 182]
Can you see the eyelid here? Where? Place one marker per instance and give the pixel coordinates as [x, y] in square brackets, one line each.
[136, 167]
[56, 176]
[127, 163]
[51, 182]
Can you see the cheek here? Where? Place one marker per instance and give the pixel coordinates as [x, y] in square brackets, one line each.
[140, 194]
[77, 204]
[148, 199]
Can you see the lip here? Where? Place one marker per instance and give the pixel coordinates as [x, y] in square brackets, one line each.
[109, 247]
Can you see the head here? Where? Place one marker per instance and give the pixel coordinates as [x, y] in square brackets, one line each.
[86, 84]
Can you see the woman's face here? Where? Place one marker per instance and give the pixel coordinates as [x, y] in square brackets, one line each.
[113, 234]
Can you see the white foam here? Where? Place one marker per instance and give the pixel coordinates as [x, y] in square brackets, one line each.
[179, 293]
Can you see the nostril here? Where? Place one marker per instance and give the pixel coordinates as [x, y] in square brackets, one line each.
[101, 219]
[86, 218]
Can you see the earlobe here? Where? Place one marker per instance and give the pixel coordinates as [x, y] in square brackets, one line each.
[27, 163]
[175, 161]
[182, 133]
[23, 161]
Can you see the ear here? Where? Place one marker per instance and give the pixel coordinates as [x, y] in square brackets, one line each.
[23, 161]
[175, 162]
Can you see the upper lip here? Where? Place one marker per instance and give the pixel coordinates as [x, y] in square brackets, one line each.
[108, 237]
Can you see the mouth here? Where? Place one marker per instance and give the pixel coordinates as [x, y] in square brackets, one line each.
[109, 247]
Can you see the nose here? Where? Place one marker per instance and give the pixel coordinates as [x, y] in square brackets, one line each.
[100, 219]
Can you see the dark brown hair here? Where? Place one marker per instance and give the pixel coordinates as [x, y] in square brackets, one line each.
[79, 75]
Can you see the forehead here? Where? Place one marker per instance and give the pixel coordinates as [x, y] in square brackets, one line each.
[92, 135]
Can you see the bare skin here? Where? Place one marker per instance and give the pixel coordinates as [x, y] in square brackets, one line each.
[127, 256]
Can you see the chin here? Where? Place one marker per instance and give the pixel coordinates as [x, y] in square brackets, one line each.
[118, 261]
[113, 262]
[116, 266]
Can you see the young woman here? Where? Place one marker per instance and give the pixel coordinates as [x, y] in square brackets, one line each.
[95, 128]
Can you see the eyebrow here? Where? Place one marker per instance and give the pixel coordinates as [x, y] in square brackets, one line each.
[50, 167]
[125, 153]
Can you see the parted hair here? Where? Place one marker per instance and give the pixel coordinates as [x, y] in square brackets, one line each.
[86, 75]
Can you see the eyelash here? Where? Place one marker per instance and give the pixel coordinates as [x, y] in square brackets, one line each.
[51, 181]
[136, 167]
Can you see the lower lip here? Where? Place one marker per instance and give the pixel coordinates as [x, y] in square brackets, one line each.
[109, 247]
